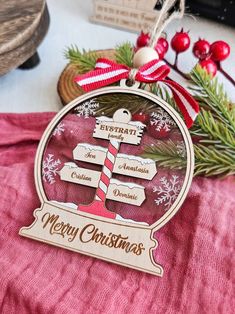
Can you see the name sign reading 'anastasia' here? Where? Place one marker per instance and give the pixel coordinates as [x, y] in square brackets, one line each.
[109, 129]
[128, 165]
[125, 192]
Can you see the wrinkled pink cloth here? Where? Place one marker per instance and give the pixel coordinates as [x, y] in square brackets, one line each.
[195, 248]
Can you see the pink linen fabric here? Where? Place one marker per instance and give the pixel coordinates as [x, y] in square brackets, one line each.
[196, 248]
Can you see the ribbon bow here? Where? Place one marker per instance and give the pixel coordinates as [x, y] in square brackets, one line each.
[107, 72]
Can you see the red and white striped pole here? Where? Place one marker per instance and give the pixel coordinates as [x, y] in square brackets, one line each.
[107, 170]
[97, 207]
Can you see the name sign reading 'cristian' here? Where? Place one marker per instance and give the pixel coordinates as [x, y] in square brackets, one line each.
[72, 173]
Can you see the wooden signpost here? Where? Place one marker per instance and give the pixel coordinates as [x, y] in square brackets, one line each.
[118, 130]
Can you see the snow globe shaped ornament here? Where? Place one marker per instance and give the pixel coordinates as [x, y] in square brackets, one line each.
[102, 179]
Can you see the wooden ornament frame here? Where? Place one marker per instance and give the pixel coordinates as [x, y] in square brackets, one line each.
[143, 262]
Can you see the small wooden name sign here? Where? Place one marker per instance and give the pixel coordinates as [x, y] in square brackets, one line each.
[136, 15]
[132, 15]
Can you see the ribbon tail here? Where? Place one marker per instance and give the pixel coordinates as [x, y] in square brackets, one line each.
[186, 103]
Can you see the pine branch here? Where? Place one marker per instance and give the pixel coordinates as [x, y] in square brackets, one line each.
[210, 161]
[211, 96]
[111, 102]
[84, 60]
[213, 131]
[166, 154]
[124, 54]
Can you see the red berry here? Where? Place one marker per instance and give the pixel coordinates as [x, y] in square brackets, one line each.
[209, 65]
[159, 134]
[142, 117]
[160, 50]
[220, 50]
[180, 42]
[164, 43]
[143, 39]
[201, 49]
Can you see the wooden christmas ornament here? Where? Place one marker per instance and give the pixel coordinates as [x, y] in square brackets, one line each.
[101, 196]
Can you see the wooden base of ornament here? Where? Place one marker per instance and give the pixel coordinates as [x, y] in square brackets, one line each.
[82, 222]
[67, 89]
[25, 24]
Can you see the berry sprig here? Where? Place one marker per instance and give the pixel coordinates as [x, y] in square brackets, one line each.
[180, 43]
[161, 46]
[210, 56]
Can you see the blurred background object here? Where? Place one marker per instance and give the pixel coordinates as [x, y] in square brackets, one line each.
[222, 11]
[23, 25]
[134, 15]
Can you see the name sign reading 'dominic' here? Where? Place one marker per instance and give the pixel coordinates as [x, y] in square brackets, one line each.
[127, 165]
[125, 192]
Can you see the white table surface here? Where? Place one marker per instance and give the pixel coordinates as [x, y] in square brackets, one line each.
[35, 90]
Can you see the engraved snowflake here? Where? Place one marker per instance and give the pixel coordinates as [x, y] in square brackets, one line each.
[59, 129]
[162, 120]
[87, 109]
[167, 191]
[50, 168]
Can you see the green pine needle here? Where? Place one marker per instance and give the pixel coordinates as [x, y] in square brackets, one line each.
[211, 96]
[210, 161]
[109, 103]
[166, 154]
[213, 130]
[84, 60]
[124, 54]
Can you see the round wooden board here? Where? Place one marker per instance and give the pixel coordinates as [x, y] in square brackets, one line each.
[68, 90]
[19, 20]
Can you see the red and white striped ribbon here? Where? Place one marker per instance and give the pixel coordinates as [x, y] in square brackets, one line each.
[107, 72]
[106, 173]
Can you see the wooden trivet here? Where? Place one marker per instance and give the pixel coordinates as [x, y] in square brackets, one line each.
[68, 90]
